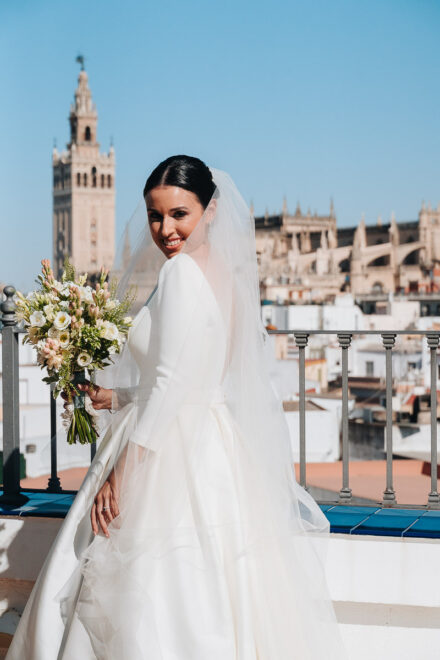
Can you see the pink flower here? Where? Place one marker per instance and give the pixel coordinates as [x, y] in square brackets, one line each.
[51, 355]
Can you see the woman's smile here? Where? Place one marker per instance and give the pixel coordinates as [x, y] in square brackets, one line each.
[172, 209]
[172, 242]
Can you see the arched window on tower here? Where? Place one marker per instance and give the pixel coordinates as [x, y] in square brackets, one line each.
[88, 134]
[78, 179]
[94, 177]
[85, 179]
[102, 180]
[109, 180]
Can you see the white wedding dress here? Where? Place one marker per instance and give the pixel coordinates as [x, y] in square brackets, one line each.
[182, 576]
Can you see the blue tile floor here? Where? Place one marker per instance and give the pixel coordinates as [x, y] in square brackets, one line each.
[383, 522]
[49, 505]
[343, 519]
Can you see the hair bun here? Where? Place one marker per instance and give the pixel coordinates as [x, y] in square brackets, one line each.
[186, 172]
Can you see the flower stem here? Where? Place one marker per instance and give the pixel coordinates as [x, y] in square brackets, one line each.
[82, 428]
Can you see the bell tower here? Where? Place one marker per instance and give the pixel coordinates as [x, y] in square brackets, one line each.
[83, 190]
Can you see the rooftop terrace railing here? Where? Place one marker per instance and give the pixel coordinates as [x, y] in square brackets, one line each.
[12, 492]
[388, 341]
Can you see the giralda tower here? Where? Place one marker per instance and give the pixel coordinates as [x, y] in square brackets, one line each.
[83, 191]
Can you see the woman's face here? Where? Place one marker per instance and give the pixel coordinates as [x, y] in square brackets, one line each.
[173, 213]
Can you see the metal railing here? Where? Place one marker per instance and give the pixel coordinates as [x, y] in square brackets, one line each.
[388, 341]
[12, 493]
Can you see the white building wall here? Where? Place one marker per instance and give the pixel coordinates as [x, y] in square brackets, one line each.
[343, 315]
[400, 363]
[320, 447]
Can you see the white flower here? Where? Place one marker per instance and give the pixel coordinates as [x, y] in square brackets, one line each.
[112, 350]
[37, 319]
[86, 293]
[84, 359]
[110, 304]
[108, 331]
[127, 320]
[64, 338]
[57, 285]
[49, 310]
[31, 296]
[64, 304]
[53, 333]
[65, 288]
[61, 321]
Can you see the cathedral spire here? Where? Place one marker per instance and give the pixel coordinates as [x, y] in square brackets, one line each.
[360, 238]
[332, 208]
[83, 116]
[394, 230]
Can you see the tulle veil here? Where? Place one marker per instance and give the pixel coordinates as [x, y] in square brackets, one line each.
[282, 530]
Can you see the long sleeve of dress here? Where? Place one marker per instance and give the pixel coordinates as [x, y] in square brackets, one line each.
[184, 361]
[124, 395]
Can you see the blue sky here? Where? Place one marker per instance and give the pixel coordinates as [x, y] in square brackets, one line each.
[304, 99]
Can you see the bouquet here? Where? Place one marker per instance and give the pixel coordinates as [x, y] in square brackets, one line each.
[74, 328]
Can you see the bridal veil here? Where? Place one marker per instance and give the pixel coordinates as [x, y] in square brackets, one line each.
[166, 416]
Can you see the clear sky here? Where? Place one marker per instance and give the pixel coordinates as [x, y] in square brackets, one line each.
[305, 99]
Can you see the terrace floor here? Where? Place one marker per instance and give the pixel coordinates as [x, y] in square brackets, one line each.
[367, 479]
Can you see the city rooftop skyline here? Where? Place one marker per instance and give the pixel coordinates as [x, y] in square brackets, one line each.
[310, 102]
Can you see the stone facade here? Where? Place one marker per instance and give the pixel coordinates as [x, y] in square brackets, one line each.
[306, 257]
[83, 192]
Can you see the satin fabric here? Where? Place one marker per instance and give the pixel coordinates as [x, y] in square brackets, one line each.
[204, 591]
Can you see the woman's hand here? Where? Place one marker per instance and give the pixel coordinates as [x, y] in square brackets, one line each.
[105, 507]
[100, 397]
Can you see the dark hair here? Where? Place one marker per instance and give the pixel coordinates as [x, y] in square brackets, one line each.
[186, 172]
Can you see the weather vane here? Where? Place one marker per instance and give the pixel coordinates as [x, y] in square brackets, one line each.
[80, 59]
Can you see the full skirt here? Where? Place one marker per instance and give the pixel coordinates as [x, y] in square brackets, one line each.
[181, 576]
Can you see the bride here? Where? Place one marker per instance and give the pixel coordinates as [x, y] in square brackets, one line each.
[190, 538]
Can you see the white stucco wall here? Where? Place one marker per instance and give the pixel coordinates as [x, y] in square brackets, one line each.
[386, 590]
[320, 447]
